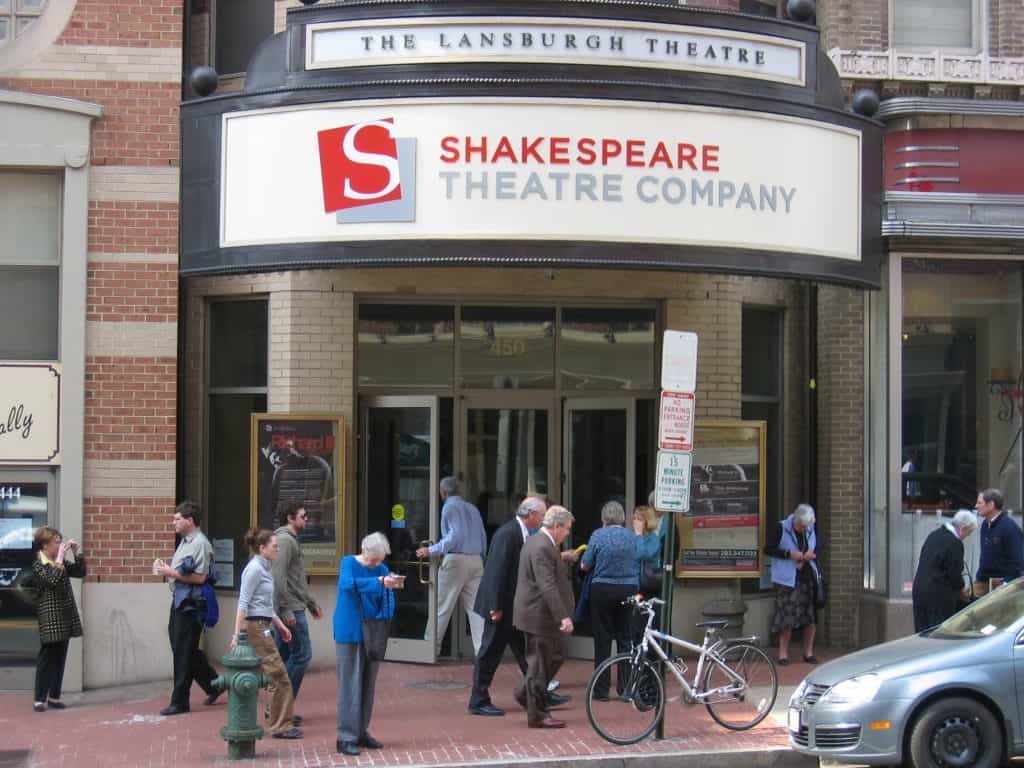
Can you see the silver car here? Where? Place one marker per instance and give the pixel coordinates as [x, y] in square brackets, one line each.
[950, 696]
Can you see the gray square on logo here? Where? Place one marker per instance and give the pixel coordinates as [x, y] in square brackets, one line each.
[403, 209]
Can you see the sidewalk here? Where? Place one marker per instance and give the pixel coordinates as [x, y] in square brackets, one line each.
[420, 716]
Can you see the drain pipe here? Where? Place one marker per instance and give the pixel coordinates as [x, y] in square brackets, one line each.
[812, 395]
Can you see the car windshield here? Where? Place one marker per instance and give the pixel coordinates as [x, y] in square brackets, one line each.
[993, 613]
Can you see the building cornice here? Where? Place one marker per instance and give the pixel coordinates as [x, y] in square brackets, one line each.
[904, 106]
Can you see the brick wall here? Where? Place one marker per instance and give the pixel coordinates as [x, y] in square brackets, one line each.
[840, 506]
[125, 55]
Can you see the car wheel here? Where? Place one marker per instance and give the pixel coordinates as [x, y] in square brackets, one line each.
[956, 733]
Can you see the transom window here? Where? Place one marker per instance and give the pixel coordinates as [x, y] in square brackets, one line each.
[930, 24]
[16, 16]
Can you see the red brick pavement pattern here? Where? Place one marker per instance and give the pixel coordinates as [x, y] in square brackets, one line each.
[417, 726]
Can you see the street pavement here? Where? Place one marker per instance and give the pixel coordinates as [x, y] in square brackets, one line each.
[420, 716]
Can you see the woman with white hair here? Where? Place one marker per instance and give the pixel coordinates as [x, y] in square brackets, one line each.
[939, 589]
[364, 592]
[793, 552]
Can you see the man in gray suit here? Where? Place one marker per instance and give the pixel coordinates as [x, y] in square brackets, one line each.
[543, 611]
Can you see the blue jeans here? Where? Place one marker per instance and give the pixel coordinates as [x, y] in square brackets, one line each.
[297, 653]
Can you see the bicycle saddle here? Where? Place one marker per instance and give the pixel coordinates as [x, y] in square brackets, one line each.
[715, 623]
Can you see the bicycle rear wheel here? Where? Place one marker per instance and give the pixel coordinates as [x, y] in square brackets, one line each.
[625, 701]
[743, 703]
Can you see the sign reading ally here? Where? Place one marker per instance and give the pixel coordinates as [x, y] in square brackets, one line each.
[29, 413]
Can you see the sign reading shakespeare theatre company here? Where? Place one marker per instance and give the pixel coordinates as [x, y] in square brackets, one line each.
[534, 169]
[29, 413]
[332, 45]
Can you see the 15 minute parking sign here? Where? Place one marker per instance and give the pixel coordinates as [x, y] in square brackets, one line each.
[672, 488]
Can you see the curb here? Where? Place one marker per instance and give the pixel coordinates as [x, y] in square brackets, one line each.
[773, 757]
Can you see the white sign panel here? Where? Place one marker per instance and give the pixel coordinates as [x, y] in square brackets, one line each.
[558, 41]
[675, 425]
[29, 413]
[672, 482]
[536, 169]
[679, 361]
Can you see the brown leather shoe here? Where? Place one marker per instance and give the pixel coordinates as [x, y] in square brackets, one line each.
[547, 722]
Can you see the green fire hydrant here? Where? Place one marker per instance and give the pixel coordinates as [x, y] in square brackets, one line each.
[243, 681]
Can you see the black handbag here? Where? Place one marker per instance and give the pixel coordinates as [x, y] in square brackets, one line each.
[820, 591]
[650, 580]
[376, 630]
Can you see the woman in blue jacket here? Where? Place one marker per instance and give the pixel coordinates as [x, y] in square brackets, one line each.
[364, 591]
[793, 552]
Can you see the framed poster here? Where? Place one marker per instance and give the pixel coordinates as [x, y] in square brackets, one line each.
[723, 533]
[301, 458]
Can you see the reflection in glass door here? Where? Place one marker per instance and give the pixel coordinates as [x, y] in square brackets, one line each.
[600, 446]
[506, 456]
[399, 496]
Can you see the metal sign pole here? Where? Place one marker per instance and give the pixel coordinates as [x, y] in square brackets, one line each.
[667, 581]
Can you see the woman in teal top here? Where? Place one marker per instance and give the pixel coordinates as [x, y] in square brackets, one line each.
[364, 592]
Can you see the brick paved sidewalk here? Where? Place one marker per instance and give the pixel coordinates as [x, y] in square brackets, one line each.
[420, 716]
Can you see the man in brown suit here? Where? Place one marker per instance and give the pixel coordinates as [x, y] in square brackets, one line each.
[543, 611]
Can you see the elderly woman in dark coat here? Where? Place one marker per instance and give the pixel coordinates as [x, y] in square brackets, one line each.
[58, 617]
[793, 551]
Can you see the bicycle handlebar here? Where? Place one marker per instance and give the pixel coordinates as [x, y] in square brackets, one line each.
[647, 604]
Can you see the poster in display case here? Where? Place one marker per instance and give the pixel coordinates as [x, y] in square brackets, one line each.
[722, 534]
[301, 458]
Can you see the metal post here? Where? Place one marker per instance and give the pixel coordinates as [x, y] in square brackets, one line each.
[667, 582]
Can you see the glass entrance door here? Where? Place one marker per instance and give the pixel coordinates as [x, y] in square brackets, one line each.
[400, 439]
[600, 445]
[506, 453]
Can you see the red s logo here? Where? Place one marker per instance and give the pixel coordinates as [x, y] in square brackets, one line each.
[359, 165]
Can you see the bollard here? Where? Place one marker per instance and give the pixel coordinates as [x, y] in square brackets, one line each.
[243, 681]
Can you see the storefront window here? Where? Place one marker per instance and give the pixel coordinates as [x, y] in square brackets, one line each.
[29, 265]
[605, 348]
[507, 347]
[406, 346]
[23, 507]
[961, 427]
[238, 388]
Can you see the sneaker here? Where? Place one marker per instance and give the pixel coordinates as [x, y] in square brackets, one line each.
[39, 706]
[291, 733]
[553, 686]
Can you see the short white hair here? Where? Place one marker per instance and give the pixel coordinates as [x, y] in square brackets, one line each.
[529, 505]
[557, 515]
[804, 515]
[965, 519]
[376, 544]
[612, 513]
[450, 485]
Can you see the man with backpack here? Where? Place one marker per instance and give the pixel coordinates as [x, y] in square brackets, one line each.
[291, 595]
[187, 574]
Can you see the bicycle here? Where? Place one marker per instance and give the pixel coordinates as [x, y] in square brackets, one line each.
[734, 679]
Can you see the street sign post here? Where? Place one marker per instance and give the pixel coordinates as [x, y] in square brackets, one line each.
[679, 361]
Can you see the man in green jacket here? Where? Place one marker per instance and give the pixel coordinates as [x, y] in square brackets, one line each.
[291, 595]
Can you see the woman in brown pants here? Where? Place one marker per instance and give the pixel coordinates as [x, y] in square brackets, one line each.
[256, 615]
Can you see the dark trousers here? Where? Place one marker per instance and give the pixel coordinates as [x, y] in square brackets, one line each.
[496, 638]
[50, 669]
[544, 657]
[190, 663]
[610, 620]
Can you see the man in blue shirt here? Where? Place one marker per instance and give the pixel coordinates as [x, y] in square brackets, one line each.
[1002, 544]
[461, 549]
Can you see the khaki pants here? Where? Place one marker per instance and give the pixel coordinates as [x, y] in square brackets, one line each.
[279, 688]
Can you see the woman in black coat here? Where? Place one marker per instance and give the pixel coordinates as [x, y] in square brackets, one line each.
[939, 581]
[58, 616]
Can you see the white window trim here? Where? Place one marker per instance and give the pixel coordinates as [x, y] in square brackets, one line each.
[979, 13]
[38, 37]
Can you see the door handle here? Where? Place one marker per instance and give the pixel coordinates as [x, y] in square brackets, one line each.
[423, 566]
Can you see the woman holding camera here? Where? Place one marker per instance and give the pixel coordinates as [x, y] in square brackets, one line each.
[256, 615]
[364, 592]
[58, 616]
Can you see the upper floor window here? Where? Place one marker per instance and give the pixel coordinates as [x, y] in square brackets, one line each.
[934, 23]
[29, 265]
[16, 16]
[239, 27]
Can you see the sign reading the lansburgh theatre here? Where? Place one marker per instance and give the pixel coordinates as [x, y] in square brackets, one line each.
[543, 40]
[532, 169]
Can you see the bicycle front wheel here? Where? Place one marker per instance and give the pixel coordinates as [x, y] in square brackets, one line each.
[741, 696]
[625, 700]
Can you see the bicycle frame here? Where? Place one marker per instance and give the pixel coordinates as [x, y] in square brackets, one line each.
[708, 653]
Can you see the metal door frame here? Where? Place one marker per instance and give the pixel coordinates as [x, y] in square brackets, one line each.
[401, 648]
[583, 647]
